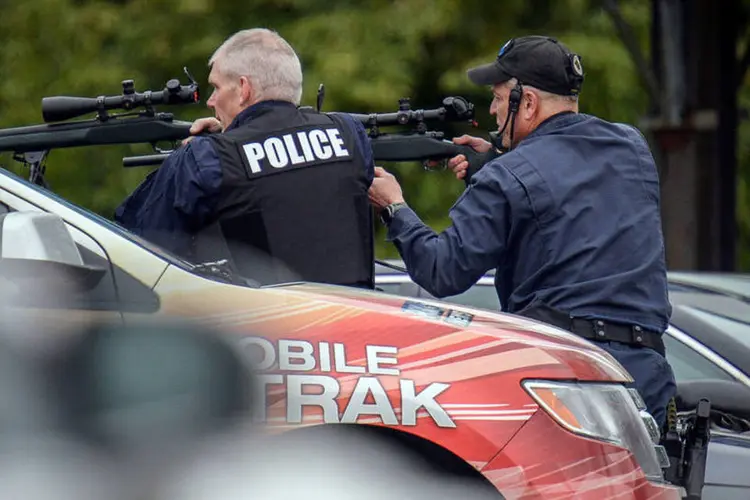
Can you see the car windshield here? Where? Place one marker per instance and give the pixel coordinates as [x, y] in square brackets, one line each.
[164, 254]
[734, 327]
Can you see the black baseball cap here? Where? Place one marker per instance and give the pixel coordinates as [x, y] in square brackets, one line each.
[538, 61]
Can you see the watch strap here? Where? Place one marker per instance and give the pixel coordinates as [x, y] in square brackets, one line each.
[390, 210]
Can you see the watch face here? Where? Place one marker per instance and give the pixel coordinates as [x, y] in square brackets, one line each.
[387, 214]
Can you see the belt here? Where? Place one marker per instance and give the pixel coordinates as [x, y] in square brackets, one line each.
[598, 329]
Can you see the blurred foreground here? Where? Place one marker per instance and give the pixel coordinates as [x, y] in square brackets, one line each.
[162, 410]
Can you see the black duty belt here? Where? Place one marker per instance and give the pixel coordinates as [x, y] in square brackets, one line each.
[597, 329]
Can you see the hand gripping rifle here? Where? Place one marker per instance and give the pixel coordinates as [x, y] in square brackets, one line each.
[420, 143]
[31, 144]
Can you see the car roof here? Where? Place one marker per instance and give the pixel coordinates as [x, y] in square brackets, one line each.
[708, 317]
[736, 284]
[685, 281]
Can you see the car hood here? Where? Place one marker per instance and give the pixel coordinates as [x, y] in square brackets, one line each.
[312, 312]
[583, 360]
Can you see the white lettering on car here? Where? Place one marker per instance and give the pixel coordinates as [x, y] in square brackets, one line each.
[369, 398]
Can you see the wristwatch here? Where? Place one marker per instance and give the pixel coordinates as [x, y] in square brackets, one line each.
[388, 212]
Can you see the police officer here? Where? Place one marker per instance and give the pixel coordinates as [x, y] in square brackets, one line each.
[568, 215]
[281, 191]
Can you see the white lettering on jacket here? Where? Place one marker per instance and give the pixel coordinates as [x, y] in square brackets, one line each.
[295, 149]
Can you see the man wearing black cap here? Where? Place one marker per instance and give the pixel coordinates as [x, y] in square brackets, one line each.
[568, 216]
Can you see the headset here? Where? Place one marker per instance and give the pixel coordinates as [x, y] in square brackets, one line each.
[514, 104]
[574, 69]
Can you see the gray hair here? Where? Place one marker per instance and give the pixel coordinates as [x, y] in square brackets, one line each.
[266, 59]
[543, 94]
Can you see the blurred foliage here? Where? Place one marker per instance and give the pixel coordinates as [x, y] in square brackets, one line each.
[369, 53]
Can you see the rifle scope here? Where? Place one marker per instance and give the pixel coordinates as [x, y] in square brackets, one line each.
[60, 108]
[453, 109]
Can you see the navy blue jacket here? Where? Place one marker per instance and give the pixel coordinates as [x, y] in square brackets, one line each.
[176, 200]
[570, 218]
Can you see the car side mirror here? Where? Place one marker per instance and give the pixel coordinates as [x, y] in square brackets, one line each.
[38, 254]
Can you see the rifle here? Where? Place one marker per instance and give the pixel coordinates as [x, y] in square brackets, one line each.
[31, 144]
[418, 144]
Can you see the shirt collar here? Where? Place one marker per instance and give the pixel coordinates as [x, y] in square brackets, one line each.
[256, 110]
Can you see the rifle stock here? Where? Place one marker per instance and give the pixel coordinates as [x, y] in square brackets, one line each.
[416, 147]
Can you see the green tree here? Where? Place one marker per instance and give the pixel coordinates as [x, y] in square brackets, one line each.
[367, 53]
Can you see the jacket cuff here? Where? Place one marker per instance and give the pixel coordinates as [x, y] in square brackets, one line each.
[403, 220]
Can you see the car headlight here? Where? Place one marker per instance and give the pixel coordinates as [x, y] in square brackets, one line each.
[607, 412]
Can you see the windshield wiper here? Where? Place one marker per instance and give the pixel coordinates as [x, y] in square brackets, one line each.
[223, 270]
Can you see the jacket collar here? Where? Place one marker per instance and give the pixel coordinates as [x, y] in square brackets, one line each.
[555, 122]
[256, 110]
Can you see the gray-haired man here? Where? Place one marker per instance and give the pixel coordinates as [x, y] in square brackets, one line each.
[282, 182]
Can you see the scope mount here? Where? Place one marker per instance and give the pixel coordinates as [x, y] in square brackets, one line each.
[453, 109]
[129, 103]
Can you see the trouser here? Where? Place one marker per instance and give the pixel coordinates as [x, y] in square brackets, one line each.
[652, 374]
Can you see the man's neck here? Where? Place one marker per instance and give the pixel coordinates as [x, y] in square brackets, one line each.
[548, 117]
[254, 110]
[554, 111]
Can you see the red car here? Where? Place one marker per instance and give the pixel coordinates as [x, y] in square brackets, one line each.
[535, 411]
[530, 410]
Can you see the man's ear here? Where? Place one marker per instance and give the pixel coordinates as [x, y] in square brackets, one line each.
[529, 105]
[247, 94]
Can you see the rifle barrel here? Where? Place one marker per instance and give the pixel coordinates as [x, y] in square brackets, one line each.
[144, 161]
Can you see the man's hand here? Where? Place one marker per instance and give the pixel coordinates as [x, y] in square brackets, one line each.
[459, 164]
[210, 125]
[384, 189]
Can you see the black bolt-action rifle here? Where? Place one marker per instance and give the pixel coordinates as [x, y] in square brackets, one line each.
[139, 123]
[417, 144]
[31, 144]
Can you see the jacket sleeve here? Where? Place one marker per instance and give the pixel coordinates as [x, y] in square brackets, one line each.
[451, 262]
[177, 199]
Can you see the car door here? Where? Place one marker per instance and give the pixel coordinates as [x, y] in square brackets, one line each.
[691, 360]
[728, 453]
